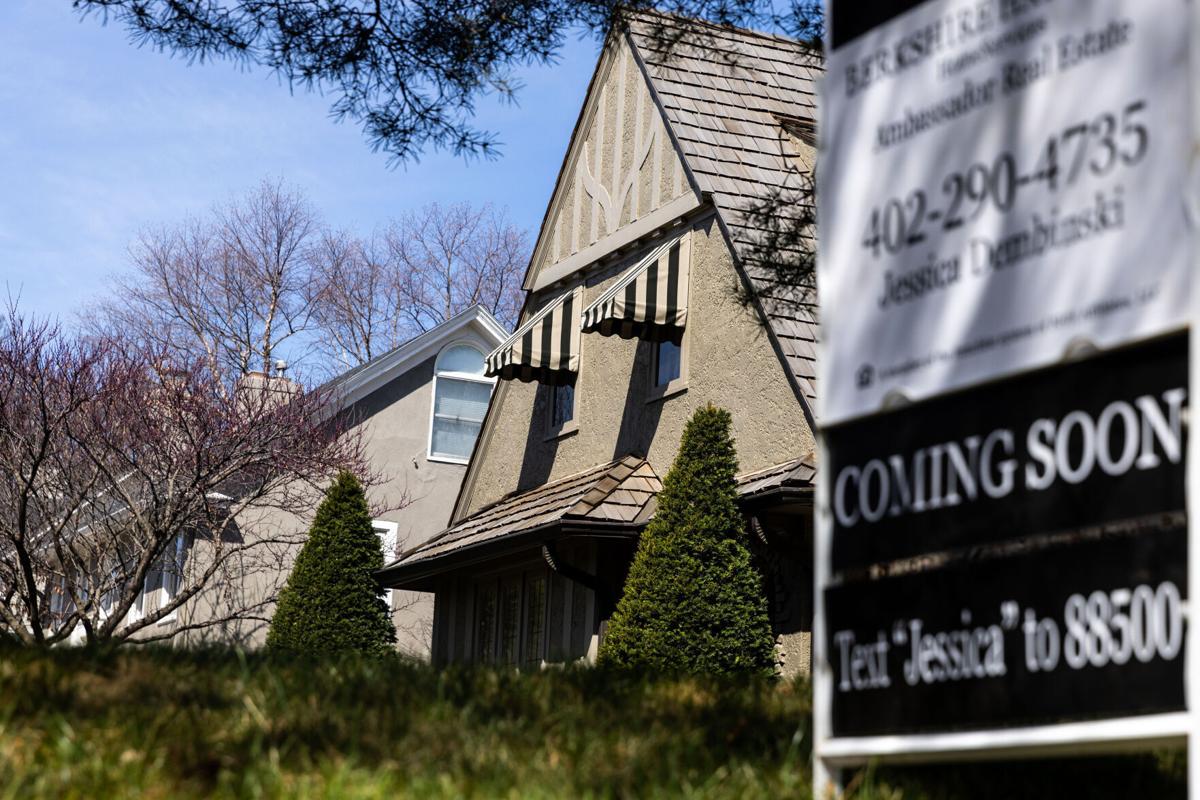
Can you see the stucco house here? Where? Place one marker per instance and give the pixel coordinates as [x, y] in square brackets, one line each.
[423, 404]
[419, 409]
[636, 315]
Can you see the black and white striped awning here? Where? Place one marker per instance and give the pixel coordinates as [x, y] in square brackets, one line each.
[546, 348]
[647, 302]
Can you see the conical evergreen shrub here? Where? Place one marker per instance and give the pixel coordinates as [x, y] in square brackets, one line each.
[331, 602]
[693, 601]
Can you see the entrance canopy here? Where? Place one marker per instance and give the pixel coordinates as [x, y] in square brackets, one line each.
[546, 348]
[649, 301]
[609, 500]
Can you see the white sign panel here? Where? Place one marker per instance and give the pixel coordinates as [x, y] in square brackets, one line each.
[999, 179]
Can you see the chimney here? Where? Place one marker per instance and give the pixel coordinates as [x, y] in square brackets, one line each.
[257, 387]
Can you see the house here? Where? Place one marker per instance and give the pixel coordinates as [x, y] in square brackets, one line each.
[636, 315]
[418, 408]
[422, 404]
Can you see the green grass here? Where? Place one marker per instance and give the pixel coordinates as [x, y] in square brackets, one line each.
[166, 723]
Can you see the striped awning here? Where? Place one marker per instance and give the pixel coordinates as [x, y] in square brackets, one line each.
[647, 302]
[546, 348]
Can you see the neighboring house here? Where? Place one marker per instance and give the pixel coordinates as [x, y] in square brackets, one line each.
[419, 408]
[632, 322]
[423, 404]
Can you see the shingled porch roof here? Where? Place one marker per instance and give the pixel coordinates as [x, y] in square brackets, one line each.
[617, 498]
[786, 481]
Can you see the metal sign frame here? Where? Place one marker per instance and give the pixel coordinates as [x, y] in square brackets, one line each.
[1078, 738]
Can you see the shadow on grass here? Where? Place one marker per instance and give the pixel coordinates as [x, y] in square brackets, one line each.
[197, 723]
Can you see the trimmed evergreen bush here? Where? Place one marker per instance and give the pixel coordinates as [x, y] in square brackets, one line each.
[331, 602]
[693, 601]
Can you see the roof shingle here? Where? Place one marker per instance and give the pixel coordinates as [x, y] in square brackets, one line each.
[724, 92]
[619, 491]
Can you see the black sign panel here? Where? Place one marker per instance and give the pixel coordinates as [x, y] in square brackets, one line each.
[850, 19]
[1092, 630]
[1087, 442]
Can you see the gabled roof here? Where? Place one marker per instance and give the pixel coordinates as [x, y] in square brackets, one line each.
[358, 382]
[726, 94]
[618, 493]
[731, 101]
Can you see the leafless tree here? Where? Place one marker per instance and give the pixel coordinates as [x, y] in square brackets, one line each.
[449, 258]
[262, 279]
[423, 268]
[358, 313]
[135, 488]
[237, 288]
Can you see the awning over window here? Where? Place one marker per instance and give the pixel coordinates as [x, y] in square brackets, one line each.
[647, 302]
[546, 348]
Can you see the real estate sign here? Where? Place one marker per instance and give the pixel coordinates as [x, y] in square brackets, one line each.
[999, 178]
[1006, 251]
[1035, 537]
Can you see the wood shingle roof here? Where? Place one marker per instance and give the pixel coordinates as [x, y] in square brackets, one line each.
[727, 95]
[798, 472]
[621, 491]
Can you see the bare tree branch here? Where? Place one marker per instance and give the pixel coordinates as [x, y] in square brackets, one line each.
[239, 287]
[123, 470]
[449, 258]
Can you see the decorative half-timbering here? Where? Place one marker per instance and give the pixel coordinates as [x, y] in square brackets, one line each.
[621, 168]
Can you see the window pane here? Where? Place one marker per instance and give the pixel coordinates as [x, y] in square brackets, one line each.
[173, 563]
[510, 620]
[461, 358]
[535, 617]
[563, 410]
[668, 362]
[485, 624]
[462, 400]
[452, 438]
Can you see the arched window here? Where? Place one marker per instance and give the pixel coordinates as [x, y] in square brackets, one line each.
[460, 399]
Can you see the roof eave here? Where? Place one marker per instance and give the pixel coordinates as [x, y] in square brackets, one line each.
[359, 382]
[417, 574]
[778, 496]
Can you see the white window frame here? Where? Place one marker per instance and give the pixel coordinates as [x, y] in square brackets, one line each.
[458, 376]
[389, 537]
[138, 609]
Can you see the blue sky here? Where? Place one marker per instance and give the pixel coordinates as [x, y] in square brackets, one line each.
[99, 138]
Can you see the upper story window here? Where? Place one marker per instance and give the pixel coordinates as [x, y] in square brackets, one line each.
[562, 405]
[668, 363]
[460, 400]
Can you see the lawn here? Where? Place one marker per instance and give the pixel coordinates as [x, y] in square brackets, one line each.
[166, 723]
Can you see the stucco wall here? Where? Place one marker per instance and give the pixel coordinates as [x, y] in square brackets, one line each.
[729, 362]
[396, 422]
[415, 492]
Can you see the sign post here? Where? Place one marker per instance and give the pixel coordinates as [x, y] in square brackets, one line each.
[1004, 556]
